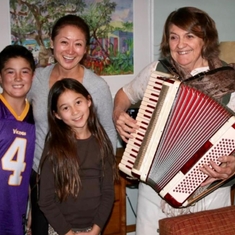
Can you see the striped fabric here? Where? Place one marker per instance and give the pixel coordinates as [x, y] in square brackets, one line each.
[212, 222]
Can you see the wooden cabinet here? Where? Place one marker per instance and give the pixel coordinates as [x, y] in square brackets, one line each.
[117, 221]
[116, 224]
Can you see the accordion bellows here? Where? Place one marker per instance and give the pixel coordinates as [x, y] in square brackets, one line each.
[181, 129]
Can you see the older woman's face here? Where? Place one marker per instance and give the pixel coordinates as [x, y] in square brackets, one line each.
[185, 48]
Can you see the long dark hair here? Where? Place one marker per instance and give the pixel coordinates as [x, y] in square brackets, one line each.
[71, 20]
[197, 22]
[61, 144]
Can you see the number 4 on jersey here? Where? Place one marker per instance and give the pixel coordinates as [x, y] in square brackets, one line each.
[14, 160]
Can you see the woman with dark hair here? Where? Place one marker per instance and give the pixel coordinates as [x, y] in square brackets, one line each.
[70, 39]
[189, 46]
[78, 165]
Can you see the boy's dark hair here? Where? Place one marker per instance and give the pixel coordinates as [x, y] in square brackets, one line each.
[14, 51]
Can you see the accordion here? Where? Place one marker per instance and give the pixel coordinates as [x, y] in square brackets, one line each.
[180, 130]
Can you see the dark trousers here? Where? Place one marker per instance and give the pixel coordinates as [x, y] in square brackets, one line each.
[39, 224]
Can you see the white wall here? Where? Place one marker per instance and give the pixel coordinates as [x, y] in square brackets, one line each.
[4, 24]
[142, 39]
[221, 11]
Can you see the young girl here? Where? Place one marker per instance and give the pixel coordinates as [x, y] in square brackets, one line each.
[78, 165]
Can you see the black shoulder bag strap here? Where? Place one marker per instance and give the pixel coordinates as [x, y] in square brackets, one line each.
[166, 66]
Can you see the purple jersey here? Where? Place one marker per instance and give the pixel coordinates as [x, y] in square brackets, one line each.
[17, 141]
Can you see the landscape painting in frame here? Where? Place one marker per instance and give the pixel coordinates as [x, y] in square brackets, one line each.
[111, 28]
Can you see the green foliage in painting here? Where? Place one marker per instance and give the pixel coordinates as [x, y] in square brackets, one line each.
[111, 50]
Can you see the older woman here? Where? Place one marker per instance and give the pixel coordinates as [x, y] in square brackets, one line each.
[190, 46]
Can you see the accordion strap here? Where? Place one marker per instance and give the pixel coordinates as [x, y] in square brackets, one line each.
[168, 67]
[211, 72]
[218, 83]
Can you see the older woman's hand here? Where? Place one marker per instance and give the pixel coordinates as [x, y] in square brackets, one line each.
[215, 172]
[125, 124]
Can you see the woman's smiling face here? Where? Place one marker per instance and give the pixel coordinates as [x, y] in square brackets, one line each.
[69, 46]
[185, 48]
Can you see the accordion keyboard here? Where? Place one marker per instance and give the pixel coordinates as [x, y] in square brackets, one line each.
[146, 109]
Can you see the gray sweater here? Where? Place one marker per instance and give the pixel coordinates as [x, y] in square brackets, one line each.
[96, 86]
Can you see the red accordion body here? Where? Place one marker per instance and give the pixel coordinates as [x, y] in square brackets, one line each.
[181, 129]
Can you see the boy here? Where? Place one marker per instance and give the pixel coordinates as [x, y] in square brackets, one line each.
[17, 137]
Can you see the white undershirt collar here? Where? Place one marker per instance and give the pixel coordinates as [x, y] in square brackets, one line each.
[199, 70]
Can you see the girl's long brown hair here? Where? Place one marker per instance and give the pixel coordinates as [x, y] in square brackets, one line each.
[61, 148]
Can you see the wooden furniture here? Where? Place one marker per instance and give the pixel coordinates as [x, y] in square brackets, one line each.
[117, 221]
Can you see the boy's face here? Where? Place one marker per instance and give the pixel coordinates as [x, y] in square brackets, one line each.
[16, 78]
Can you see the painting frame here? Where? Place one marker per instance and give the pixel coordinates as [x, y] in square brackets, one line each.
[143, 43]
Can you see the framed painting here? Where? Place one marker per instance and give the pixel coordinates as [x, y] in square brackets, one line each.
[123, 46]
[111, 28]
